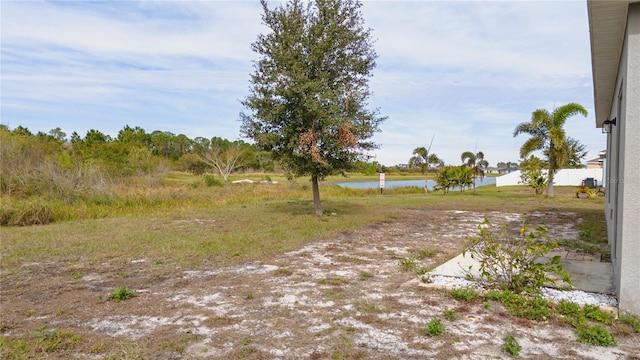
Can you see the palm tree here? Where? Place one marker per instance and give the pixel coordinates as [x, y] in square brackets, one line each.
[476, 163]
[547, 134]
[421, 158]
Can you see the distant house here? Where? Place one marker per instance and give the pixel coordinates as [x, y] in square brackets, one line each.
[507, 170]
[614, 28]
[595, 163]
[491, 170]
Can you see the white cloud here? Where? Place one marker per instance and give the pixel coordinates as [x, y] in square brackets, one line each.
[467, 71]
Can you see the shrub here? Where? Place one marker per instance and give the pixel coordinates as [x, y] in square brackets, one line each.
[121, 294]
[595, 335]
[210, 180]
[434, 328]
[511, 346]
[508, 261]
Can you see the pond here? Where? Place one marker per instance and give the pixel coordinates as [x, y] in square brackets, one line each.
[405, 183]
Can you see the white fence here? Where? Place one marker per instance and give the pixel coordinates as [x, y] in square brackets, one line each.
[564, 177]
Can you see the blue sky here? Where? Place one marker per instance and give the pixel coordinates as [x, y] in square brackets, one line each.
[466, 71]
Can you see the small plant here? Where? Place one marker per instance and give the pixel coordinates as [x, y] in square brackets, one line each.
[434, 328]
[568, 308]
[532, 308]
[426, 253]
[43, 333]
[364, 275]
[210, 180]
[121, 294]
[631, 320]
[449, 315]
[77, 275]
[511, 345]
[595, 335]
[248, 296]
[464, 294]
[408, 263]
[283, 272]
[594, 312]
[50, 340]
[508, 261]
[486, 305]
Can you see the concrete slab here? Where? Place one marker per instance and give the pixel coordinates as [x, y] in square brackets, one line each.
[587, 275]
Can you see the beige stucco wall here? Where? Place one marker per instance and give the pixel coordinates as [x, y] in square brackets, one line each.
[622, 208]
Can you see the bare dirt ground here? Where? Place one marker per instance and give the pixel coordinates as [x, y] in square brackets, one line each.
[337, 298]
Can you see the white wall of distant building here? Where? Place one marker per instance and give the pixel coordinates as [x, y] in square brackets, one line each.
[564, 177]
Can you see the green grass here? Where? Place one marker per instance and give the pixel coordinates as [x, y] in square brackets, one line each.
[188, 226]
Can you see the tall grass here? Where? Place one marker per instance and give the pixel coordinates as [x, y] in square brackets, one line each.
[185, 225]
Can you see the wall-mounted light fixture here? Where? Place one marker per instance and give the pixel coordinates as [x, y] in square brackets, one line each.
[607, 125]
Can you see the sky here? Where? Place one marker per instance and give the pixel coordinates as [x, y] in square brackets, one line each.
[463, 73]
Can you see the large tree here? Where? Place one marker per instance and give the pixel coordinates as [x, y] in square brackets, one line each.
[548, 135]
[308, 96]
[477, 164]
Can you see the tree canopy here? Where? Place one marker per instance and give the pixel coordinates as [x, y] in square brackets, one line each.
[475, 162]
[307, 102]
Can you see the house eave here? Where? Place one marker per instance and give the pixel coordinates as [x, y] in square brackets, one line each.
[607, 26]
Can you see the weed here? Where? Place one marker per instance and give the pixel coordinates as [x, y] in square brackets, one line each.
[77, 275]
[248, 296]
[449, 315]
[594, 312]
[631, 320]
[595, 335]
[422, 270]
[210, 180]
[365, 306]
[568, 308]
[535, 308]
[364, 275]
[283, 272]
[464, 294]
[332, 295]
[434, 328]
[486, 305]
[408, 263]
[42, 333]
[50, 340]
[97, 347]
[426, 253]
[246, 341]
[121, 294]
[335, 281]
[511, 345]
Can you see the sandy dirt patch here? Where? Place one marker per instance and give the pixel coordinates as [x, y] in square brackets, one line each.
[346, 297]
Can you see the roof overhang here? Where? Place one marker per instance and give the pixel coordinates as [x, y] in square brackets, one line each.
[607, 26]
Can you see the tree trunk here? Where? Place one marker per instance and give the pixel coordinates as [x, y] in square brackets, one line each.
[550, 184]
[317, 206]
